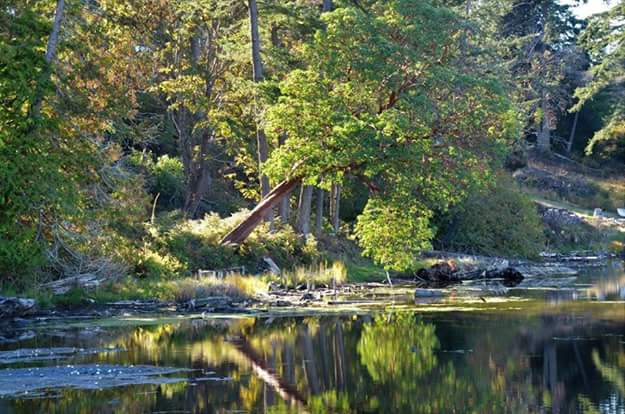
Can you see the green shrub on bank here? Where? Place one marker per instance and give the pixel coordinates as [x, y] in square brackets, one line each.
[498, 221]
[181, 247]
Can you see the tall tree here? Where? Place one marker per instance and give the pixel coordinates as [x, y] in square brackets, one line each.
[604, 39]
[540, 35]
[257, 67]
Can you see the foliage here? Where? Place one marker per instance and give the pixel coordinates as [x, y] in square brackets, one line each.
[604, 41]
[194, 244]
[36, 177]
[406, 104]
[391, 235]
[396, 347]
[499, 221]
[376, 102]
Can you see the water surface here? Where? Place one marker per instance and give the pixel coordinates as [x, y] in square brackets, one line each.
[554, 347]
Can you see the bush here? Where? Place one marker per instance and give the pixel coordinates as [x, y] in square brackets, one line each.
[195, 244]
[498, 221]
[168, 181]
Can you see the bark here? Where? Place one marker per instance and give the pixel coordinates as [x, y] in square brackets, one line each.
[53, 41]
[569, 145]
[51, 47]
[335, 207]
[257, 68]
[240, 233]
[195, 163]
[195, 143]
[303, 210]
[319, 212]
[544, 137]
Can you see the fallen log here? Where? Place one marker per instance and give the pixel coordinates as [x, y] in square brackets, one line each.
[240, 232]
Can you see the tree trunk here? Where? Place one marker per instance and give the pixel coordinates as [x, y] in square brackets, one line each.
[240, 233]
[319, 216]
[335, 207]
[303, 210]
[51, 47]
[257, 68]
[285, 203]
[544, 136]
[285, 207]
[569, 145]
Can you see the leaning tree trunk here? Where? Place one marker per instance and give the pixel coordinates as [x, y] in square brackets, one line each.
[257, 68]
[303, 210]
[240, 233]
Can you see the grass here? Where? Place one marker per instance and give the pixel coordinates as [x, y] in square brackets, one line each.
[236, 287]
[322, 273]
[364, 270]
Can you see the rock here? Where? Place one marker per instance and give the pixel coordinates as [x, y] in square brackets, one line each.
[11, 307]
[275, 287]
[440, 272]
[282, 303]
[309, 296]
[511, 276]
[428, 293]
[597, 212]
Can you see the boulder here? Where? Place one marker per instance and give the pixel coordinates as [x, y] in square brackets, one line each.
[11, 307]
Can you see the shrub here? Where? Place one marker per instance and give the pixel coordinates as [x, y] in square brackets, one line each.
[168, 181]
[499, 220]
[195, 244]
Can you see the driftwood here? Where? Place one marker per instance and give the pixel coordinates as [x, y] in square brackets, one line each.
[446, 273]
[61, 286]
[212, 303]
[221, 273]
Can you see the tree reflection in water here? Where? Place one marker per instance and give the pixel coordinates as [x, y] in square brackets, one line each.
[398, 362]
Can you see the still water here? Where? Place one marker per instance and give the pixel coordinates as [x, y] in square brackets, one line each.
[535, 350]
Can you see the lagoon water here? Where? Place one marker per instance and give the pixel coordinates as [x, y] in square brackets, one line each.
[536, 349]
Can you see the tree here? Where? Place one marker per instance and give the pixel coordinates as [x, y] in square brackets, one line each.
[257, 66]
[540, 36]
[604, 39]
[384, 99]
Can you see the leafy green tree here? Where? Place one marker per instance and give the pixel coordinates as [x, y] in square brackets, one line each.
[34, 186]
[385, 99]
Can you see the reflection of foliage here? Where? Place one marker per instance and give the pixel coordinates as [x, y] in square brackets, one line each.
[398, 348]
[613, 371]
